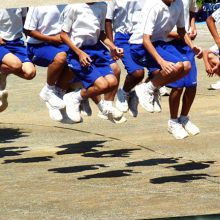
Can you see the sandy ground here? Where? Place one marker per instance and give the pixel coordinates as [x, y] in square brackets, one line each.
[100, 170]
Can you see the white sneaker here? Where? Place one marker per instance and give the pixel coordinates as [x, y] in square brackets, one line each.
[105, 116]
[164, 91]
[50, 96]
[3, 81]
[122, 101]
[72, 106]
[3, 100]
[189, 126]
[54, 113]
[177, 130]
[66, 119]
[133, 104]
[215, 86]
[85, 108]
[145, 97]
[156, 101]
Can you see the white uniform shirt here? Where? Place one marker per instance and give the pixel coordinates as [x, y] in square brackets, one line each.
[44, 19]
[124, 14]
[11, 23]
[84, 22]
[216, 16]
[214, 49]
[157, 19]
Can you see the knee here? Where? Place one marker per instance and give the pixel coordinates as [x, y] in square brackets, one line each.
[112, 82]
[101, 87]
[116, 70]
[61, 58]
[16, 67]
[179, 67]
[139, 74]
[187, 66]
[30, 74]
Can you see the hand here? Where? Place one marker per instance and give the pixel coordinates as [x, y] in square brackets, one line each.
[2, 42]
[192, 34]
[84, 59]
[168, 67]
[209, 70]
[117, 53]
[198, 51]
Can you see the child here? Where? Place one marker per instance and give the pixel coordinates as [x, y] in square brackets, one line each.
[152, 49]
[211, 22]
[46, 49]
[212, 64]
[188, 84]
[83, 31]
[13, 53]
[120, 19]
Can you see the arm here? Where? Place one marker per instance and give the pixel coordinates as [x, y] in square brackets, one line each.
[108, 29]
[55, 39]
[115, 51]
[193, 31]
[213, 30]
[83, 57]
[208, 67]
[188, 41]
[168, 67]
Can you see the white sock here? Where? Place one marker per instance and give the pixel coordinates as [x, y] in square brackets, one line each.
[174, 120]
[50, 87]
[78, 95]
[108, 103]
[101, 105]
[150, 86]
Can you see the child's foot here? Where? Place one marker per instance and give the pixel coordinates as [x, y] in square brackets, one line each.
[177, 130]
[189, 126]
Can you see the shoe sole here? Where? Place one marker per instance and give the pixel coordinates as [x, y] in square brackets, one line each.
[4, 101]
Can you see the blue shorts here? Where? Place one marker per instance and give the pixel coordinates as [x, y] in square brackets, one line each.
[121, 40]
[165, 49]
[189, 80]
[100, 65]
[43, 54]
[15, 47]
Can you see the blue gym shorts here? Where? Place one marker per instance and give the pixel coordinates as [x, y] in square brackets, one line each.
[100, 65]
[15, 47]
[189, 80]
[166, 50]
[43, 54]
[121, 41]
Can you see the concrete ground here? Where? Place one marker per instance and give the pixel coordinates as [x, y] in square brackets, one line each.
[100, 170]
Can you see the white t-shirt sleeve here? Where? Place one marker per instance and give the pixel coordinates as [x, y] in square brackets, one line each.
[102, 22]
[69, 17]
[110, 10]
[31, 19]
[193, 6]
[181, 20]
[150, 21]
[214, 49]
[216, 16]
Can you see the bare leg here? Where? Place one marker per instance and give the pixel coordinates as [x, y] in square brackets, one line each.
[188, 98]
[56, 68]
[174, 101]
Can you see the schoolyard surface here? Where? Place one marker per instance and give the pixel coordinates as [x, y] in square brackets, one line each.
[99, 170]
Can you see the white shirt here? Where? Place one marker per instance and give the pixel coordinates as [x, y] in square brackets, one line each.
[189, 6]
[157, 20]
[11, 23]
[216, 16]
[124, 14]
[84, 22]
[44, 19]
[214, 49]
